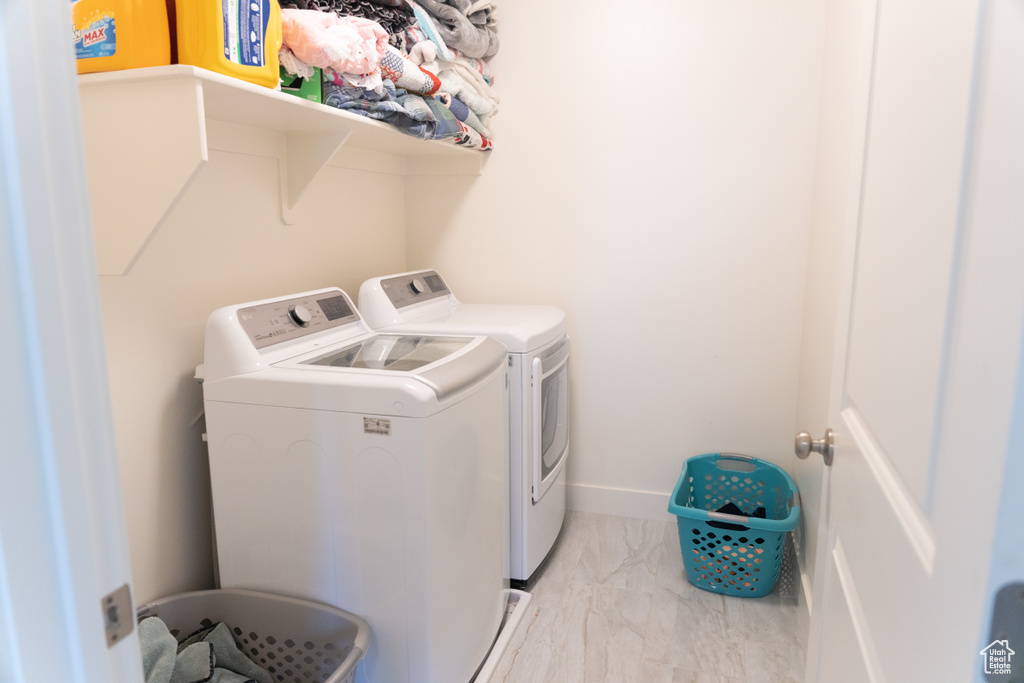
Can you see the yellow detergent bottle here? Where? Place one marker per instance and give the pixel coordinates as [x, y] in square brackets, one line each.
[120, 34]
[239, 38]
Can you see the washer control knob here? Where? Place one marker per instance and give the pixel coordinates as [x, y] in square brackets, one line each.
[300, 315]
[418, 286]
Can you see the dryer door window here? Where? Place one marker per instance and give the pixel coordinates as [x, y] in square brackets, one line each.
[551, 418]
[554, 429]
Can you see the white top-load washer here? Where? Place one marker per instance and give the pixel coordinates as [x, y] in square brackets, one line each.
[538, 358]
[367, 471]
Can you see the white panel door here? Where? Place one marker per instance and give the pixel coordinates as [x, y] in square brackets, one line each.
[63, 544]
[929, 347]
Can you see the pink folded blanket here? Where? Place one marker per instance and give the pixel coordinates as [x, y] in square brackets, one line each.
[346, 44]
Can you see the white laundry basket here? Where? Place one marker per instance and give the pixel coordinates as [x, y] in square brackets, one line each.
[297, 641]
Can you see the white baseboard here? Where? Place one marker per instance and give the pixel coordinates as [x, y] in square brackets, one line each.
[805, 580]
[619, 502]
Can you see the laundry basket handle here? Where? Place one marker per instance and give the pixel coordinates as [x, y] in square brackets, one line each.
[735, 462]
[726, 517]
[736, 456]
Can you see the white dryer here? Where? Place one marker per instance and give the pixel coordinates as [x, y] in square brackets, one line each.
[363, 470]
[538, 358]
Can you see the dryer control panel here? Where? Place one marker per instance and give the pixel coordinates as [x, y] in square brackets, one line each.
[413, 288]
[281, 321]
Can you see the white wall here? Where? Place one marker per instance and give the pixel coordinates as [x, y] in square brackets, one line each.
[652, 176]
[223, 244]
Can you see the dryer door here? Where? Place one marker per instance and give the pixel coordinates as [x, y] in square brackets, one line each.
[550, 380]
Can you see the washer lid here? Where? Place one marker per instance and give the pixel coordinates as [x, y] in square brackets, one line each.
[346, 381]
[445, 364]
[396, 353]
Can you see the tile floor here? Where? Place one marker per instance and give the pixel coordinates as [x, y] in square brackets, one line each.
[613, 605]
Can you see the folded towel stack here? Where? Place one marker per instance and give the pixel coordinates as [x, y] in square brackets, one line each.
[393, 74]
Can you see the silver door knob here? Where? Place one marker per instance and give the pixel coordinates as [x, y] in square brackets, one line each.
[805, 445]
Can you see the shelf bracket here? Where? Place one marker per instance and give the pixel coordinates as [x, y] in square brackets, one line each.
[145, 147]
[149, 132]
[304, 157]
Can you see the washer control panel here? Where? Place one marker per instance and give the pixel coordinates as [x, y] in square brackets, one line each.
[281, 321]
[413, 288]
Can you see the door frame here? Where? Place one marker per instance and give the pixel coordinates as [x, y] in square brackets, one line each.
[855, 132]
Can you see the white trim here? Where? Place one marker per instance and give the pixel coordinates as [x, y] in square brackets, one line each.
[620, 502]
[822, 582]
[857, 616]
[807, 584]
[517, 608]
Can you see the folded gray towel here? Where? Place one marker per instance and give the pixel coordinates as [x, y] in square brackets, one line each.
[209, 655]
[459, 32]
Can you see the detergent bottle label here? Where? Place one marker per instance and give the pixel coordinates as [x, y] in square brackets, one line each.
[245, 31]
[95, 34]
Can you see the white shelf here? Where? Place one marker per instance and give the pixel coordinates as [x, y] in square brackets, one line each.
[148, 133]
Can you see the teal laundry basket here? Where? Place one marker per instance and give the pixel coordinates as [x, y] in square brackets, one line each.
[734, 554]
